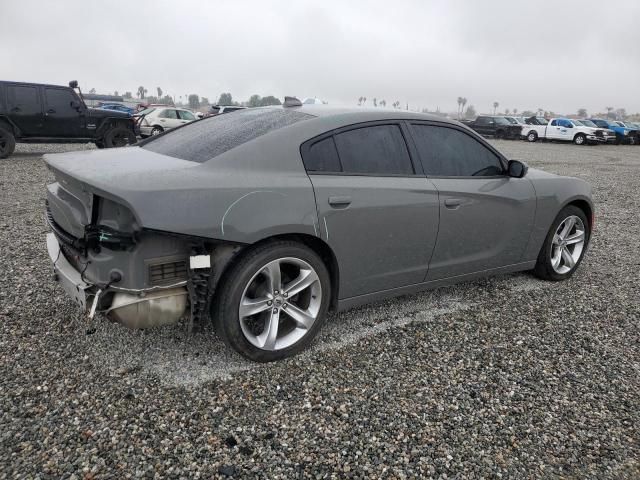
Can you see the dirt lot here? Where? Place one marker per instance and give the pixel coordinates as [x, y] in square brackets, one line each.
[508, 376]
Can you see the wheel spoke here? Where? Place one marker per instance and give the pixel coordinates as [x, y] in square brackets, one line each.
[270, 334]
[557, 239]
[568, 226]
[251, 306]
[568, 258]
[555, 258]
[302, 317]
[576, 237]
[274, 276]
[302, 281]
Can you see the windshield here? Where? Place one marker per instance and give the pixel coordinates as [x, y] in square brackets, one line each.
[578, 123]
[620, 124]
[212, 136]
[512, 120]
[502, 121]
[588, 123]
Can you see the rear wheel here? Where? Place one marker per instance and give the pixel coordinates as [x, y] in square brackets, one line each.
[580, 139]
[99, 144]
[118, 137]
[7, 142]
[273, 301]
[532, 136]
[499, 135]
[564, 246]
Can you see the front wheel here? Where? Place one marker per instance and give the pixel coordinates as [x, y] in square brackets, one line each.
[273, 301]
[7, 143]
[119, 137]
[580, 139]
[156, 131]
[532, 137]
[565, 245]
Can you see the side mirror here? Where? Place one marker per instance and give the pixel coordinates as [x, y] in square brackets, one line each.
[76, 105]
[517, 169]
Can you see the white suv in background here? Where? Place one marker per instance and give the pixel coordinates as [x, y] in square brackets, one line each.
[155, 120]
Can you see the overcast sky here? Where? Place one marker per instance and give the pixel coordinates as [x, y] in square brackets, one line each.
[557, 55]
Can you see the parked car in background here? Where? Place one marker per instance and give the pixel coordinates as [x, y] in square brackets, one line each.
[515, 120]
[220, 109]
[118, 107]
[495, 126]
[267, 218]
[564, 130]
[37, 113]
[623, 134]
[609, 135]
[155, 120]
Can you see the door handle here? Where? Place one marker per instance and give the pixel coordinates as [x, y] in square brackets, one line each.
[452, 203]
[339, 201]
[51, 110]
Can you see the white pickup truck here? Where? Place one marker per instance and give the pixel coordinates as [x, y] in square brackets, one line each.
[564, 129]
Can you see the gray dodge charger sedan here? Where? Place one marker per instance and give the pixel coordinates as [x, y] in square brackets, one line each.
[264, 219]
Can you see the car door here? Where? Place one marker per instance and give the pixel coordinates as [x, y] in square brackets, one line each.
[62, 114]
[168, 118]
[486, 217]
[375, 208]
[25, 108]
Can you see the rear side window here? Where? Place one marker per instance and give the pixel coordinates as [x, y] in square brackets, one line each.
[375, 150]
[168, 113]
[322, 157]
[446, 152]
[59, 100]
[22, 99]
[208, 138]
[184, 115]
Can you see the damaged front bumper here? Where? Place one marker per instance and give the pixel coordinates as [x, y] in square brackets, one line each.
[70, 279]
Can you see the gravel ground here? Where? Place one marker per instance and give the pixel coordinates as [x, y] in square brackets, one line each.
[505, 377]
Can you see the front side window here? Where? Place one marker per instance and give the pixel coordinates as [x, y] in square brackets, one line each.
[447, 152]
[375, 150]
[483, 121]
[23, 99]
[59, 100]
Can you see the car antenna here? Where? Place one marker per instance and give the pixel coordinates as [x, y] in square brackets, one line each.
[292, 102]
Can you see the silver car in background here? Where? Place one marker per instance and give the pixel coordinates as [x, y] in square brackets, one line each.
[265, 219]
[155, 120]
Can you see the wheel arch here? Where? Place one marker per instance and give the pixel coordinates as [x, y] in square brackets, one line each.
[317, 245]
[586, 207]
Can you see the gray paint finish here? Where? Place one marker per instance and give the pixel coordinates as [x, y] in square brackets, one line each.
[396, 235]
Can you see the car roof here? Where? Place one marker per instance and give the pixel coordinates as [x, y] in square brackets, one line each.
[363, 114]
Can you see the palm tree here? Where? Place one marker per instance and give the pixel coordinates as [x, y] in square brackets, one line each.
[506, 111]
[459, 106]
[383, 103]
[515, 111]
[495, 107]
[141, 91]
[609, 109]
[375, 102]
[360, 100]
[464, 102]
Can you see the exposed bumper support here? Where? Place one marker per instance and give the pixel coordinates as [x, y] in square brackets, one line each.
[66, 274]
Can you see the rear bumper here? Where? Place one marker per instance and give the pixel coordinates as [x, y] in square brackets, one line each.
[70, 278]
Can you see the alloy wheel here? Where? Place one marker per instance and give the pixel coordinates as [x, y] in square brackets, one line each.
[280, 304]
[568, 243]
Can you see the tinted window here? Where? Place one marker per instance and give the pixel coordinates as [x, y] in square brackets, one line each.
[322, 156]
[483, 121]
[374, 150]
[554, 123]
[208, 138]
[184, 115]
[22, 99]
[59, 99]
[447, 152]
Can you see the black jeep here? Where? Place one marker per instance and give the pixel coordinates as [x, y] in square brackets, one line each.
[35, 113]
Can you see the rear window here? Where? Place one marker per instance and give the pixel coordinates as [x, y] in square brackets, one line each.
[205, 139]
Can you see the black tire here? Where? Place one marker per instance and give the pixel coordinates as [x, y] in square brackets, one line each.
[543, 268]
[231, 289]
[157, 130]
[499, 135]
[118, 137]
[532, 136]
[580, 139]
[7, 142]
[99, 144]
